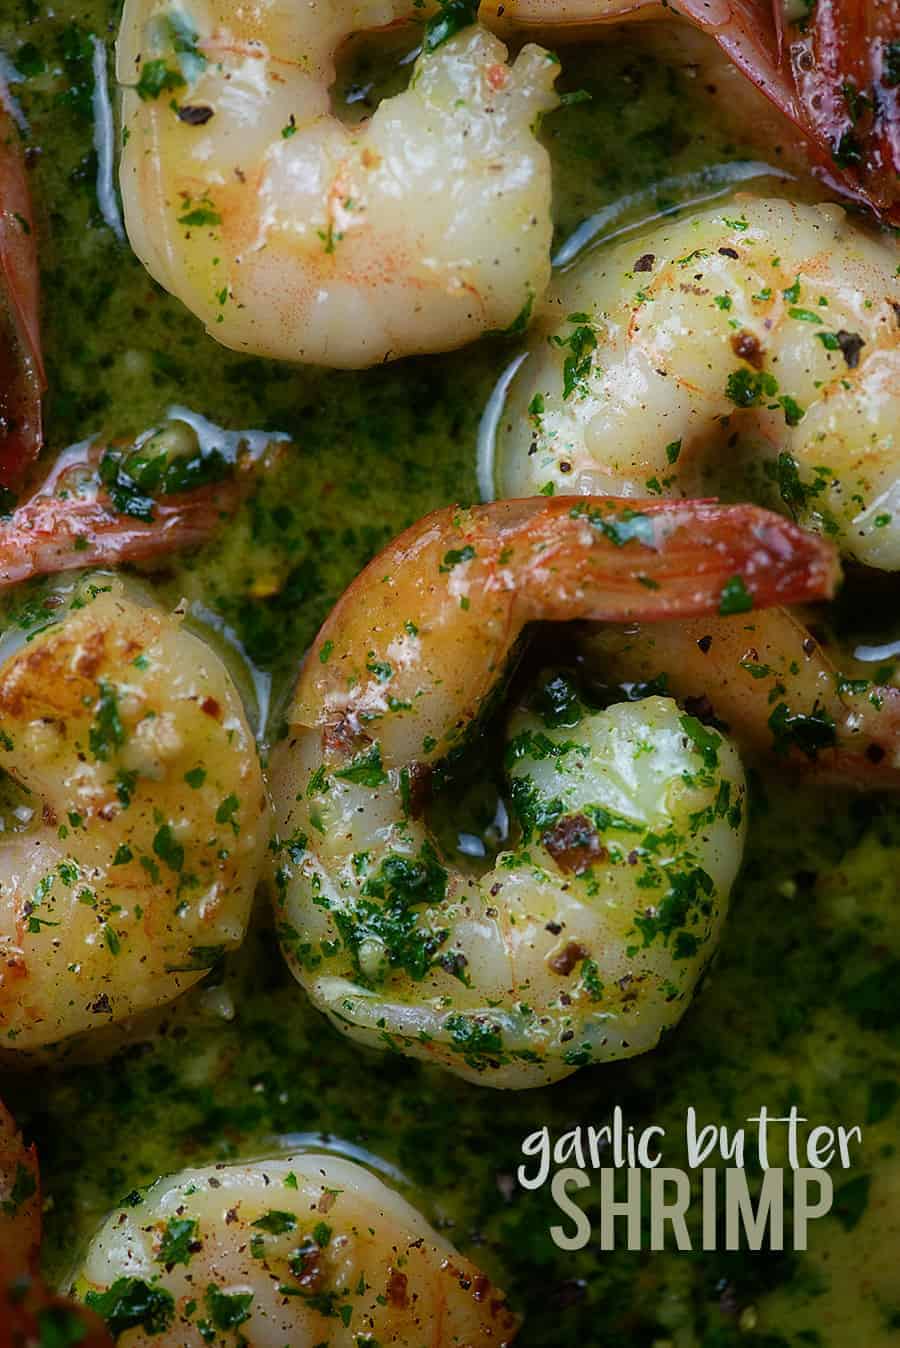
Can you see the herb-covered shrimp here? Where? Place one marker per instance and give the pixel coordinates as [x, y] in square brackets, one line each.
[585, 940]
[751, 348]
[100, 505]
[134, 813]
[293, 235]
[306, 1249]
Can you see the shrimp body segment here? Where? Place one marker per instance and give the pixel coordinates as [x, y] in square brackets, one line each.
[305, 1249]
[294, 236]
[585, 938]
[134, 815]
[750, 349]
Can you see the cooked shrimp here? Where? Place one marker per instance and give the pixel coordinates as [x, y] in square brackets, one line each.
[134, 813]
[294, 236]
[102, 505]
[829, 67]
[751, 349]
[21, 363]
[306, 1249]
[586, 941]
[768, 680]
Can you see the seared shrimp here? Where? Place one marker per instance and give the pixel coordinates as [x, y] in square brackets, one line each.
[21, 363]
[585, 942]
[291, 235]
[134, 814]
[829, 67]
[767, 679]
[751, 348]
[307, 1249]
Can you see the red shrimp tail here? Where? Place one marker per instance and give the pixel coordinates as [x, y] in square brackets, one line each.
[48, 535]
[835, 74]
[844, 62]
[653, 560]
[22, 378]
[71, 523]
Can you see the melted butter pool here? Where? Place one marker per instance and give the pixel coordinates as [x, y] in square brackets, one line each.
[804, 1005]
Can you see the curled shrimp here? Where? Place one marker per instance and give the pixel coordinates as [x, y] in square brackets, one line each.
[21, 363]
[748, 349]
[305, 1249]
[103, 505]
[294, 236]
[831, 68]
[133, 810]
[585, 941]
[766, 678]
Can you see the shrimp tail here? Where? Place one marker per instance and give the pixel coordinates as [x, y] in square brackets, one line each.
[835, 74]
[62, 528]
[691, 558]
[844, 61]
[22, 378]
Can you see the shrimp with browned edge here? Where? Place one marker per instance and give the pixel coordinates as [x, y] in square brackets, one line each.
[133, 813]
[585, 939]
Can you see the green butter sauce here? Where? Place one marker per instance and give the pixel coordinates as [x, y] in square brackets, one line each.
[803, 1006]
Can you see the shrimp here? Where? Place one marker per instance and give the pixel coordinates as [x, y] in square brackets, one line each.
[101, 505]
[764, 678]
[585, 942]
[751, 347]
[134, 812]
[305, 1249]
[22, 378]
[831, 68]
[291, 235]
